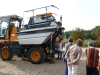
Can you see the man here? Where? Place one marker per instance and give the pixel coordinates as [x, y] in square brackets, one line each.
[67, 45]
[73, 56]
[92, 59]
[60, 50]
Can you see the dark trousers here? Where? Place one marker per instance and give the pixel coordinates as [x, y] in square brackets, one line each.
[91, 71]
[59, 54]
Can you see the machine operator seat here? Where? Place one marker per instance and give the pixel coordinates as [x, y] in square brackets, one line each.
[13, 32]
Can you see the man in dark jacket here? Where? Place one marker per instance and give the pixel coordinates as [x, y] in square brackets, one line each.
[67, 45]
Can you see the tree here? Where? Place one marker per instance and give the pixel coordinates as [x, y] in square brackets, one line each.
[67, 34]
[87, 34]
[78, 34]
[97, 32]
[92, 33]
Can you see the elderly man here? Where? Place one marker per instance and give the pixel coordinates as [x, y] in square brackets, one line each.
[92, 59]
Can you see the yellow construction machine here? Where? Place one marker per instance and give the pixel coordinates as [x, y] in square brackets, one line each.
[34, 40]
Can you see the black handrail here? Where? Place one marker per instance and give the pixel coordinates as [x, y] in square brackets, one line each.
[42, 7]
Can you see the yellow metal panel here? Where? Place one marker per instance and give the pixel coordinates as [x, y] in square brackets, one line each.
[13, 35]
[48, 14]
[8, 16]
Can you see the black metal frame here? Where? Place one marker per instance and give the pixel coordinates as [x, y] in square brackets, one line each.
[41, 8]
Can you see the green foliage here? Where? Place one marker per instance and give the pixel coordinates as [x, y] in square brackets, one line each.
[97, 32]
[67, 35]
[93, 34]
[87, 34]
[78, 34]
[85, 43]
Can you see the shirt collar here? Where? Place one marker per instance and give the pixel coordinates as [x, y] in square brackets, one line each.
[91, 46]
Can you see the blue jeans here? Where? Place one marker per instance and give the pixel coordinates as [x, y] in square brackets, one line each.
[59, 54]
[66, 68]
[91, 71]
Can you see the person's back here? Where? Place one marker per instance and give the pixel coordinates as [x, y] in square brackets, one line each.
[92, 59]
[59, 50]
[74, 54]
[73, 57]
[60, 47]
[67, 45]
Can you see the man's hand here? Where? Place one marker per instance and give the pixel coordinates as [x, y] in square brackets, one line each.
[98, 68]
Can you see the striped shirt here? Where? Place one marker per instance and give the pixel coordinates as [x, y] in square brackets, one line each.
[92, 57]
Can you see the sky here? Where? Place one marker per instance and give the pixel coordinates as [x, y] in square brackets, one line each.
[84, 14]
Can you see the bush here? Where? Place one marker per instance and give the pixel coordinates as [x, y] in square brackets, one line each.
[85, 43]
[97, 44]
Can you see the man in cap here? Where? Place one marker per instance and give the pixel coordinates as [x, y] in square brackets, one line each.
[67, 45]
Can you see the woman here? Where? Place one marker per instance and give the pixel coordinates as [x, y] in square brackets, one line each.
[73, 56]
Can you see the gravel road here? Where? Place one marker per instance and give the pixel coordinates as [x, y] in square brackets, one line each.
[17, 66]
